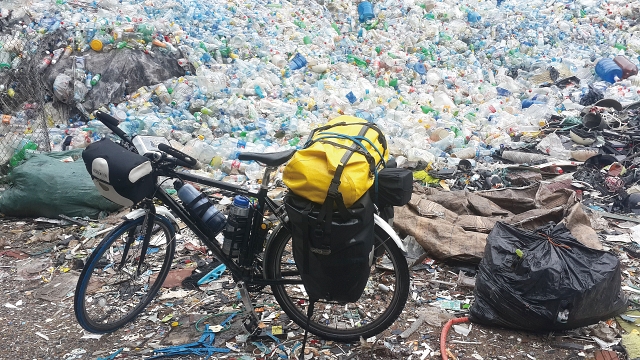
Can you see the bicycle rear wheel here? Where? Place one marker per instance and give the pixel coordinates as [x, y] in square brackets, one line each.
[114, 287]
[378, 307]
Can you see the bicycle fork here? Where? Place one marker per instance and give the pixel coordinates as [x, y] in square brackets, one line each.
[147, 229]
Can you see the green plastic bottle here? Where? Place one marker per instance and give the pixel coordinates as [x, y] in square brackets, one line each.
[426, 109]
[336, 28]
[359, 62]
[95, 79]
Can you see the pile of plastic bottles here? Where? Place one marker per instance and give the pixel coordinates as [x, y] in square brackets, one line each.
[445, 80]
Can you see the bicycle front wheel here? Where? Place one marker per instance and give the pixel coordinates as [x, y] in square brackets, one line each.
[115, 286]
[379, 306]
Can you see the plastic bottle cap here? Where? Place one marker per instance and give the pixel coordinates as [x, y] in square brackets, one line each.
[96, 45]
[241, 201]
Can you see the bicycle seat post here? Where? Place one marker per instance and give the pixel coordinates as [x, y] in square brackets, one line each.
[267, 176]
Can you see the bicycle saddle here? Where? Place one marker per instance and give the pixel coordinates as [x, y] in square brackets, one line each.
[269, 159]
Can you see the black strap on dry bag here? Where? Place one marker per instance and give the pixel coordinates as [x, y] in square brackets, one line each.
[320, 236]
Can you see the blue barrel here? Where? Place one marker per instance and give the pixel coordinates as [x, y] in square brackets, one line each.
[365, 11]
[608, 70]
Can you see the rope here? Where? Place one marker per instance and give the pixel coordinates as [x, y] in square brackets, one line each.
[549, 239]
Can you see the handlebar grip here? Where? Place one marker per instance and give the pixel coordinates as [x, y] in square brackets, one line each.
[191, 162]
[106, 118]
[112, 123]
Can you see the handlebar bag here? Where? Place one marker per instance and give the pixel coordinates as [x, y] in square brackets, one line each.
[120, 175]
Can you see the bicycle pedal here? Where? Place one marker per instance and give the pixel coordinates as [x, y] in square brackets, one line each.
[250, 325]
[200, 272]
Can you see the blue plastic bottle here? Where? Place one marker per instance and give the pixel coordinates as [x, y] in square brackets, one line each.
[210, 214]
[420, 68]
[298, 62]
[365, 11]
[608, 70]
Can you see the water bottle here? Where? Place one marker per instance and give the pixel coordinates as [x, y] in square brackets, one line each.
[5, 60]
[238, 224]
[298, 62]
[25, 147]
[420, 68]
[198, 205]
[527, 103]
[608, 70]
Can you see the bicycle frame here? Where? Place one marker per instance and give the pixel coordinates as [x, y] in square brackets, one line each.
[241, 270]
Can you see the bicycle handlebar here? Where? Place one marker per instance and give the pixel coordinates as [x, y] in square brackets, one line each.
[179, 155]
[112, 123]
[181, 158]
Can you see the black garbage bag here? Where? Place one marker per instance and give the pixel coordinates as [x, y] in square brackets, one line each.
[544, 280]
[594, 95]
[122, 72]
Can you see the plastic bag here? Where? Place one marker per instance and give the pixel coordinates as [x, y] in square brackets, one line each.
[63, 88]
[552, 145]
[46, 186]
[545, 280]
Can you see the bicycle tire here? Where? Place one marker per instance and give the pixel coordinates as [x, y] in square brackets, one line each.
[278, 252]
[122, 297]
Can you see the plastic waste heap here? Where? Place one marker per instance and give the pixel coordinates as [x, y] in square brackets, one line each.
[439, 77]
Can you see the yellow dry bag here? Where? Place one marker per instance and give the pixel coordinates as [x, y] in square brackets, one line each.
[346, 154]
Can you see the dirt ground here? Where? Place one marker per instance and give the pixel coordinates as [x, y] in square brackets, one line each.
[37, 280]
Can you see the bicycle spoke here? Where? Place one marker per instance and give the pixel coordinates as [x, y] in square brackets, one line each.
[366, 314]
[121, 281]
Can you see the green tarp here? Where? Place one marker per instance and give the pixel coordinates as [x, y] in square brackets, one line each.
[46, 186]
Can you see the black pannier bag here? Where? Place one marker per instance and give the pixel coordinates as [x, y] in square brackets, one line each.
[334, 257]
[120, 175]
[394, 187]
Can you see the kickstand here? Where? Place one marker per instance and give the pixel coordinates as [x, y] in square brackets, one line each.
[250, 322]
[306, 329]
